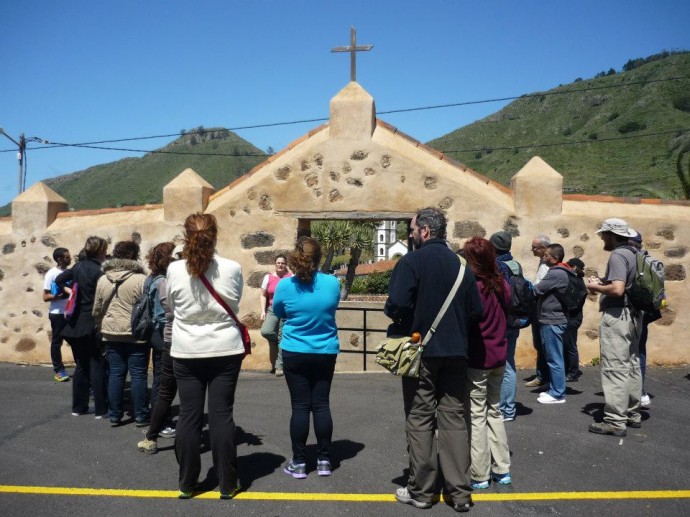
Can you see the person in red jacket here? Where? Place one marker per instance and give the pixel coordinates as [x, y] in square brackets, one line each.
[488, 352]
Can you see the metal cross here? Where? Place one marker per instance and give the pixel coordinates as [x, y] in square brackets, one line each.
[353, 49]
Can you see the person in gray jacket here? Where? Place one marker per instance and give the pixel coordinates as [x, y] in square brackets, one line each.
[116, 292]
[553, 321]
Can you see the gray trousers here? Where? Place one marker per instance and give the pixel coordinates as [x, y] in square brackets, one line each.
[490, 451]
[621, 380]
[272, 330]
[437, 438]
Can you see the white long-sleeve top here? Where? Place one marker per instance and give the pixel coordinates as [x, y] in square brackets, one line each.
[201, 327]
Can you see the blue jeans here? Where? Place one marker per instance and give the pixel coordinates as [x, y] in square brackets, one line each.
[309, 378]
[132, 357]
[509, 384]
[552, 337]
[538, 342]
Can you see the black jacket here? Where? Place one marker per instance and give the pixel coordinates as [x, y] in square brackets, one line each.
[86, 273]
[418, 287]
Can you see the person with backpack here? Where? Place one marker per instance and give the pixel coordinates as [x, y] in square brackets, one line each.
[553, 321]
[116, 292]
[619, 332]
[571, 354]
[541, 378]
[647, 318]
[510, 268]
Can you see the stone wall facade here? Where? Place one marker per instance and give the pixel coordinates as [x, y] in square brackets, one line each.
[355, 168]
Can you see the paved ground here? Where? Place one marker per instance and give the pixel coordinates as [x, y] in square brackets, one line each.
[52, 463]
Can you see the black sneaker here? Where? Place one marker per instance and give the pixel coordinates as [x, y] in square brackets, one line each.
[323, 468]
[296, 470]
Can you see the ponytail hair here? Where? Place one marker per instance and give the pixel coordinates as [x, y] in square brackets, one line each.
[200, 237]
[304, 260]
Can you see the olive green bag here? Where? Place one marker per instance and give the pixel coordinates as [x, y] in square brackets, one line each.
[402, 356]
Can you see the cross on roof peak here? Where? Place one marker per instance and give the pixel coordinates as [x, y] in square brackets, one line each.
[353, 49]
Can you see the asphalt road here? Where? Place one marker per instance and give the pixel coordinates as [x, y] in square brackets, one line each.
[49, 458]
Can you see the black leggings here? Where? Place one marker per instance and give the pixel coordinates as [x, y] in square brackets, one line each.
[166, 394]
[309, 378]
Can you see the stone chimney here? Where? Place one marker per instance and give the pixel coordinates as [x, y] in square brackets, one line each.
[34, 210]
[537, 189]
[353, 114]
[188, 193]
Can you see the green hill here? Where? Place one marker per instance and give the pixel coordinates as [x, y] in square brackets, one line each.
[218, 155]
[597, 127]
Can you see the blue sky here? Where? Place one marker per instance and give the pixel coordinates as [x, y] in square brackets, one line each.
[83, 71]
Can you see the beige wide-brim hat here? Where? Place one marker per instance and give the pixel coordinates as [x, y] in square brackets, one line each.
[617, 226]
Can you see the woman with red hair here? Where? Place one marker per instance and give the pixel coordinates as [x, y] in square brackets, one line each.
[487, 359]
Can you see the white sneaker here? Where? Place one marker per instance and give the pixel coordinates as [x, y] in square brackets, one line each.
[645, 401]
[545, 398]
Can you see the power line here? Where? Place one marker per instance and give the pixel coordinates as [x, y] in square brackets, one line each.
[94, 144]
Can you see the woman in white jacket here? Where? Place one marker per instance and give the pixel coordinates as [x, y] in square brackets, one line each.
[207, 354]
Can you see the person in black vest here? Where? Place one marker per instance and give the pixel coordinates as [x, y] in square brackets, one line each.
[80, 330]
[571, 354]
[437, 438]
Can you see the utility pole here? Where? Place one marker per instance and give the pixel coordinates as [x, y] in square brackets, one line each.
[21, 146]
[21, 154]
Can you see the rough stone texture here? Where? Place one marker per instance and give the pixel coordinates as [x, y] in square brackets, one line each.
[2, 274]
[385, 161]
[347, 168]
[265, 202]
[257, 240]
[402, 179]
[268, 258]
[592, 334]
[318, 192]
[674, 272]
[251, 195]
[578, 251]
[359, 155]
[335, 176]
[565, 233]
[25, 344]
[668, 318]
[445, 203]
[305, 166]
[591, 271]
[42, 268]
[136, 237]
[369, 171]
[9, 248]
[311, 180]
[36, 312]
[676, 252]
[282, 174]
[246, 209]
[666, 232]
[511, 226]
[354, 340]
[335, 195]
[430, 183]
[252, 320]
[318, 159]
[652, 245]
[356, 182]
[467, 229]
[255, 278]
[455, 246]
[49, 241]
[584, 237]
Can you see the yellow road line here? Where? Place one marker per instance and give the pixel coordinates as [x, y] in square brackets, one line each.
[360, 498]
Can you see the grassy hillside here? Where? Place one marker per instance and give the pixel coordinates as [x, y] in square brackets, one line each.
[137, 181]
[594, 131]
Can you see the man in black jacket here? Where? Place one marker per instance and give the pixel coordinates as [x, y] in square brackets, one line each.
[418, 287]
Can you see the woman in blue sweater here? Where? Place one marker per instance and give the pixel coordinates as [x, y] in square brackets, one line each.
[308, 301]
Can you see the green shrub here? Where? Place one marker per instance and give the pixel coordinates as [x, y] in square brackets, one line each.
[682, 103]
[377, 283]
[631, 126]
[613, 116]
[567, 131]
[593, 136]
